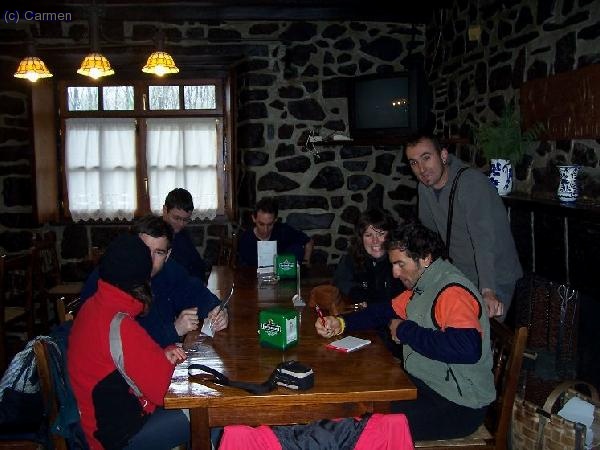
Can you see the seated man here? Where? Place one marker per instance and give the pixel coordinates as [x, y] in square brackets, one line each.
[266, 228]
[177, 212]
[445, 334]
[180, 301]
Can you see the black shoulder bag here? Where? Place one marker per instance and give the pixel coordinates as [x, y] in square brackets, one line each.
[451, 211]
[289, 374]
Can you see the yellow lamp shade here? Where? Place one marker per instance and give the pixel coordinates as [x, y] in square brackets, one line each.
[32, 68]
[95, 65]
[160, 63]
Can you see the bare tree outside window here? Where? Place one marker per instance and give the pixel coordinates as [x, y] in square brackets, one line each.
[82, 98]
[200, 97]
[117, 98]
[164, 97]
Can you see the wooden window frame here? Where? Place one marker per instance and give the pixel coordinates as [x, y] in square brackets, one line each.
[224, 111]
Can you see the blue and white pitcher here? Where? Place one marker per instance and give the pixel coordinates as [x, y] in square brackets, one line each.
[501, 175]
[568, 190]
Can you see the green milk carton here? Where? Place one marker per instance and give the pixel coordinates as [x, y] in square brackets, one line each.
[285, 265]
[278, 327]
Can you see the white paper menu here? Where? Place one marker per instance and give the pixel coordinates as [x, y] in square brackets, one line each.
[266, 251]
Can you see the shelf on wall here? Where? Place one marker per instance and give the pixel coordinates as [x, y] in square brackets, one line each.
[329, 143]
[581, 209]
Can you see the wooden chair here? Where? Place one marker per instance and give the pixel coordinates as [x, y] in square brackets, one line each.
[50, 400]
[47, 387]
[47, 278]
[508, 348]
[21, 445]
[228, 251]
[16, 300]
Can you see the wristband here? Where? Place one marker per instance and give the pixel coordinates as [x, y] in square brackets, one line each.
[342, 324]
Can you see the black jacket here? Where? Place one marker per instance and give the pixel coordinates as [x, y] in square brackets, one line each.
[372, 283]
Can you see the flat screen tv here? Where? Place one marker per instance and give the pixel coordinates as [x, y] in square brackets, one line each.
[388, 106]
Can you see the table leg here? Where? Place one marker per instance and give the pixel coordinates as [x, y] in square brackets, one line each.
[199, 430]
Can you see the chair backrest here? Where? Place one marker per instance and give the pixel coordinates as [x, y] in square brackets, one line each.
[95, 255]
[45, 261]
[228, 251]
[47, 388]
[16, 297]
[508, 347]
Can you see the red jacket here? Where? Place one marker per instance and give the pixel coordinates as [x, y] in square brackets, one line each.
[382, 432]
[110, 413]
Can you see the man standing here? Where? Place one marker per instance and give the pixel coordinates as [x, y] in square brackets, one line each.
[180, 302]
[481, 244]
[266, 228]
[177, 212]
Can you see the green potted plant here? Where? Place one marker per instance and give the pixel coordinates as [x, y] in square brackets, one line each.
[503, 142]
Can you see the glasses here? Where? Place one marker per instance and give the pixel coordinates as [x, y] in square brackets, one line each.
[181, 219]
[160, 253]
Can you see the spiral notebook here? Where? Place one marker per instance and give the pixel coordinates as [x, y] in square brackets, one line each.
[348, 344]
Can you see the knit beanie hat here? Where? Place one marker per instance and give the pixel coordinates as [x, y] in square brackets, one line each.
[126, 262]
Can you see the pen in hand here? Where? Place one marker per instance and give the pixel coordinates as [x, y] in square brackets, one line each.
[321, 316]
[223, 304]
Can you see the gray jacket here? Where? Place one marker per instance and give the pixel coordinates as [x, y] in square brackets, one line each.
[482, 246]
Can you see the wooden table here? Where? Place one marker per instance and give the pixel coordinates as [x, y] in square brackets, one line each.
[346, 384]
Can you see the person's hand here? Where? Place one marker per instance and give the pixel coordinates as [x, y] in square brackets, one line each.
[393, 327]
[175, 354]
[218, 319]
[331, 328]
[187, 321]
[495, 308]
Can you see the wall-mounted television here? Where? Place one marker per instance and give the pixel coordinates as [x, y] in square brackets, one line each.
[388, 106]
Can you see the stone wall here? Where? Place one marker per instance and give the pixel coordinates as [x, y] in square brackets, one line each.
[299, 87]
[16, 219]
[520, 41]
[291, 78]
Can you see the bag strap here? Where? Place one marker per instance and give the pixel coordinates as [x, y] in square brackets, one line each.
[116, 350]
[253, 388]
[451, 209]
[562, 388]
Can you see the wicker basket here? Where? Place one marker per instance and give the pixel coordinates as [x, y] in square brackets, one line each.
[535, 428]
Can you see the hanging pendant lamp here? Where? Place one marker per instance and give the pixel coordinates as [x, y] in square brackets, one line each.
[32, 68]
[160, 62]
[95, 65]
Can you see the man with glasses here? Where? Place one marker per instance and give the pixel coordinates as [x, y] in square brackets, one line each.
[180, 302]
[177, 212]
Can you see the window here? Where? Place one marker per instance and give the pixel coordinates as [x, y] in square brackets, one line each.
[125, 146]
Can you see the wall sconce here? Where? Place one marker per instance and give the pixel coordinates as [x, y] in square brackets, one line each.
[95, 65]
[31, 67]
[160, 62]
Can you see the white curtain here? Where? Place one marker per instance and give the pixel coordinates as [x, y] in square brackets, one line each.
[183, 153]
[100, 168]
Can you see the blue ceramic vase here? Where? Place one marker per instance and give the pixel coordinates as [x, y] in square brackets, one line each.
[501, 175]
[568, 190]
